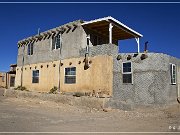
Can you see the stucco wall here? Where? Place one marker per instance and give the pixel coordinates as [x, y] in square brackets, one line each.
[72, 42]
[2, 82]
[98, 77]
[151, 80]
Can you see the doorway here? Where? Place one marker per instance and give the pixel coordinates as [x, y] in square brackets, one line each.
[12, 81]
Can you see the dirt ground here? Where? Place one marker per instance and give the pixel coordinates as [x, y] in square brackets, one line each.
[33, 115]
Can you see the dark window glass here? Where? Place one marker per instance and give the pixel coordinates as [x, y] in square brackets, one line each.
[70, 79]
[70, 75]
[56, 42]
[127, 78]
[35, 77]
[127, 73]
[173, 73]
[30, 49]
[127, 67]
[53, 43]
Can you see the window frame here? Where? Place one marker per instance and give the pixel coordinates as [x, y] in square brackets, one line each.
[30, 49]
[69, 75]
[173, 79]
[35, 76]
[131, 73]
[54, 47]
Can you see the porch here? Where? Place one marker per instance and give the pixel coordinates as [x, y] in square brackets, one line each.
[113, 29]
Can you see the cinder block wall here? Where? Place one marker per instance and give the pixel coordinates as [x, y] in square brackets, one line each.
[151, 80]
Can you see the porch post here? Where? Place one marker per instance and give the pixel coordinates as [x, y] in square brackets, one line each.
[137, 40]
[110, 33]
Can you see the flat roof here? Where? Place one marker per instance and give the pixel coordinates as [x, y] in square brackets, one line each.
[119, 32]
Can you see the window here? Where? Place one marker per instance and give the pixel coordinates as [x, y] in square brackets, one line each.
[30, 49]
[173, 73]
[127, 72]
[35, 76]
[56, 42]
[70, 75]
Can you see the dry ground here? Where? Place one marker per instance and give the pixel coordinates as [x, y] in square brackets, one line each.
[33, 115]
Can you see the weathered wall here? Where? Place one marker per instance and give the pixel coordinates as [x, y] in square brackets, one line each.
[104, 49]
[2, 82]
[151, 80]
[98, 77]
[72, 42]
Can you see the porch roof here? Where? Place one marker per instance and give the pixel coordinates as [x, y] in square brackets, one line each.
[119, 32]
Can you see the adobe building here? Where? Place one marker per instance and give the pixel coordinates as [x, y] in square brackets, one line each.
[7, 79]
[82, 56]
[11, 74]
[2, 79]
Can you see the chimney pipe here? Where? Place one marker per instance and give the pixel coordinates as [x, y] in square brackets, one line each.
[145, 47]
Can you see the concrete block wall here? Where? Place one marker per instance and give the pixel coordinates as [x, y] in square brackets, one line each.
[104, 49]
[151, 80]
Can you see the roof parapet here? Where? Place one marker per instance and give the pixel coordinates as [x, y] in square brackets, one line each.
[49, 33]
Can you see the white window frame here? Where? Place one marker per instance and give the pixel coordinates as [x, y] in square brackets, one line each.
[127, 72]
[173, 80]
[69, 75]
[35, 76]
[56, 42]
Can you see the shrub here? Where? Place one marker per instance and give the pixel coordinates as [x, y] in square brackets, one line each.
[22, 88]
[78, 94]
[53, 90]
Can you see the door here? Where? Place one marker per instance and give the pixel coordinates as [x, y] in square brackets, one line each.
[12, 81]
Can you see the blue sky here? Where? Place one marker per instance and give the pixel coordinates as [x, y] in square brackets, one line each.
[159, 24]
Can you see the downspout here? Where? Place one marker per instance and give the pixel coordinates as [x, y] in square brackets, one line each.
[6, 80]
[22, 67]
[86, 65]
[59, 74]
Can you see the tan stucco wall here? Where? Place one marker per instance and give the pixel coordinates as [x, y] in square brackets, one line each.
[98, 77]
[2, 83]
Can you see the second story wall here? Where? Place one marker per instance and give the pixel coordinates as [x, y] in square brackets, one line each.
[72, 41]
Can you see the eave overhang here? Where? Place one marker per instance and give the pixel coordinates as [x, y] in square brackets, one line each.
[119, 32]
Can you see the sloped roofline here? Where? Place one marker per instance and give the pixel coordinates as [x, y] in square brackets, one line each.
[109, 18]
